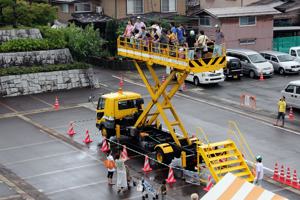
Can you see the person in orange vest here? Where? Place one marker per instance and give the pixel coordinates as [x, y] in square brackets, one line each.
[281, 111]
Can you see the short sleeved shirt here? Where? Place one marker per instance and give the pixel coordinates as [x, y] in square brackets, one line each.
[281, 106]
[218, 38]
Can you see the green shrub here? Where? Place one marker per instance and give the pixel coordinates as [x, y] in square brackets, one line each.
[111, 36]
[46, 68]
[28, 44]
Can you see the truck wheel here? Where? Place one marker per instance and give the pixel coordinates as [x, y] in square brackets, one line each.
[163, 158]
[252, 74]
[281, 71]
[196, 81]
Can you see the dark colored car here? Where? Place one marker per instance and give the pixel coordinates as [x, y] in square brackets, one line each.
[233, 68]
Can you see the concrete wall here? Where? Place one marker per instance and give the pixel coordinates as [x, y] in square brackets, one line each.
[57, 56]
[15, 85]
[6, 35]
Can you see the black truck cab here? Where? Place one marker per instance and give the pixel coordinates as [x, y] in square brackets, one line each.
[233, 68]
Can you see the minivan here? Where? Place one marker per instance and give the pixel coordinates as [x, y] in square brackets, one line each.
[233, 68]
[282, 62]
[253, 64]
[292, 94]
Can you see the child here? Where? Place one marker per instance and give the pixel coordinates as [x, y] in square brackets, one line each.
[163, 190]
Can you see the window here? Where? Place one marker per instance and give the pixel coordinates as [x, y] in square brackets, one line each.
[135, 6]
[205, 21]
[249, 41]
[83, 7]
[297, 90]
[293, 53]
[267, 56]
[127, 104]
[64, 8]
[290, 89]
[101, 104]
[168, 6]
[274, 59]
[248, 21]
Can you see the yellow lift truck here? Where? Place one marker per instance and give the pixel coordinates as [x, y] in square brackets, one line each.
[123, 113]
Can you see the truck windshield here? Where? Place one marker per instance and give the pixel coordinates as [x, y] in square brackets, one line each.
[257, 58]
[285, 58]
[101, 104]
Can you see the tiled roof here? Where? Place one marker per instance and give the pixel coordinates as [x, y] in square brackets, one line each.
[90, 17]
[240, 11]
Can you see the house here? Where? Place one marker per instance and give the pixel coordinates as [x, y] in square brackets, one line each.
[244, 27]
[98, 10]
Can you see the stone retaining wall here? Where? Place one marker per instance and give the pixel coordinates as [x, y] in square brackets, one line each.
[15, 85]
[57, 56]
[6, 35]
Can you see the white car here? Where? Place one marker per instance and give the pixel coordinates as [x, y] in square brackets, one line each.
[282, 62]
[204, 77]
[292, 94]
[295, 52]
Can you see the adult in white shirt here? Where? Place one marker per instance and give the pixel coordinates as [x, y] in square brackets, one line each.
[110, 171]
[139, 24]
[259, 175]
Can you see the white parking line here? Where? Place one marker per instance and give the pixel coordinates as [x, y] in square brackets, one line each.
[75, 187]
[28, 145]
[40, 158]
[60, 170]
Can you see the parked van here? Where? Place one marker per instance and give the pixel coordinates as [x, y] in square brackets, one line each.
[253, 64]
[282, 62]
[233, 68]
[203, 77]
[295, 52]
[292, 94]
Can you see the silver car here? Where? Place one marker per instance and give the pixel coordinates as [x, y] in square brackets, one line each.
[282, 62]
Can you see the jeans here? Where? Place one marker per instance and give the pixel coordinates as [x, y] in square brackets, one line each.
[217, 50]
[191, 54]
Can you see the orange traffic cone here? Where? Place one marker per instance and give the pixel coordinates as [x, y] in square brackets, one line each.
[56, 104]
[261, 77]
[291, 114]
[275, 175]
[105, 147]
[295, 182]
[71, 130]
[288, 180]
[87, 139]
[171, 178]
[147, 167]
[281, 177]
[163, 79]
[124, 154]
[209, 184]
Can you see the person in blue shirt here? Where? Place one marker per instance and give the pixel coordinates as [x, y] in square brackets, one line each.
[180, 34]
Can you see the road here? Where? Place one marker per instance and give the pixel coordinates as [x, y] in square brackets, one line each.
[34, 146]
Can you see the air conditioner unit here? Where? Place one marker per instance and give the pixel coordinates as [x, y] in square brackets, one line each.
[99, 10]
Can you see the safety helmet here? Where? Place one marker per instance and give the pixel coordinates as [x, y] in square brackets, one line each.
[192, 32]
[217, 26]
[258, 158]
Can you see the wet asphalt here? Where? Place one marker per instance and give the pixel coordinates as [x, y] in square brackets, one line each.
[61, 170]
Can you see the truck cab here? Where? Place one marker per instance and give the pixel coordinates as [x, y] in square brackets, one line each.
[295, 52]
[121, 108]
[233, 68]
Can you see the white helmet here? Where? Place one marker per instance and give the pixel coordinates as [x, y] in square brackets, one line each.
[192, 32]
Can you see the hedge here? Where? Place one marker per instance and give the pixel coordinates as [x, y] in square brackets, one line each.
[46, 68]
[29, 44]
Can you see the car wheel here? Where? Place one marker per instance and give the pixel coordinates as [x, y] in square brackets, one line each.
[252, 74]
[281, 71]
[196, 81]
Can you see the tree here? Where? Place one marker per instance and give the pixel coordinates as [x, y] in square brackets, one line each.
[111, 36]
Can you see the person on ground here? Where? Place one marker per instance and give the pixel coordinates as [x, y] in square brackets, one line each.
[163, 190]
[110, 167]
[139, 24]
[259, 173]
[191, 40]
[219, 42]
[121, 174]
[194, 196]
[281, 111]
[128, 177]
